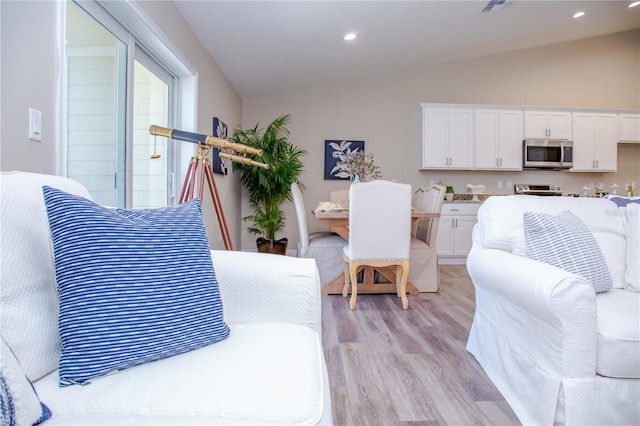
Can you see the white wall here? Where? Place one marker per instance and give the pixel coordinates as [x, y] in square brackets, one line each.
[30, 78]
[600, 72]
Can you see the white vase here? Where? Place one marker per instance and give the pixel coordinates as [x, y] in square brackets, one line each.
[448, 196]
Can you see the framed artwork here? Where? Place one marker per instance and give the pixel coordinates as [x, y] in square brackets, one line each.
[220, 165]
[334, 152]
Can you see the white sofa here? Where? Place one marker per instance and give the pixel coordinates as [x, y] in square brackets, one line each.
[270, 370]
[557, 351]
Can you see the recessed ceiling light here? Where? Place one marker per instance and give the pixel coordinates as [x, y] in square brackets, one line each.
[578, 14]
[350, 36]
[634, 4]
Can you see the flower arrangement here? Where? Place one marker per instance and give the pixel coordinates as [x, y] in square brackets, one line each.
[360, 164]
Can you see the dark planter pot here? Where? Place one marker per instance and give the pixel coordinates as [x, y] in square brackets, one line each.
[272, 246]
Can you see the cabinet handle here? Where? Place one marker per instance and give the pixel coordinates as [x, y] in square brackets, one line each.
[500, 161]
[597, 164]
[497, 162]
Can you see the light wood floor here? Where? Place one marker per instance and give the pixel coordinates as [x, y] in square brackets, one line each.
[390, 367]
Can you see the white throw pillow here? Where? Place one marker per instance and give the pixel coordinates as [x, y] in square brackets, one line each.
[632, 274]
[565, 242]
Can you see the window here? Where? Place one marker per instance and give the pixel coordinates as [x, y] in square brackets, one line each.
[107, 145]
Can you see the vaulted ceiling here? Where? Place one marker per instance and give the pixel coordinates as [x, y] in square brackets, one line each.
[269, 46]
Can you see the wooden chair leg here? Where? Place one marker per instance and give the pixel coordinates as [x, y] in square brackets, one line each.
[398, 280]
[353, 268]
[347, 277]
[403, 289]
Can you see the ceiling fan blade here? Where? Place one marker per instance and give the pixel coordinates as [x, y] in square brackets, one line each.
[493, 3]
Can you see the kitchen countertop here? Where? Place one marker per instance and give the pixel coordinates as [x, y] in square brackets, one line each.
[467, 198]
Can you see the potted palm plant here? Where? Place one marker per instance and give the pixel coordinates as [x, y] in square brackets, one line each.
[269, 188]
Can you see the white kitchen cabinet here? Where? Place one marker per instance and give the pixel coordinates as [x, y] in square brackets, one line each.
[629, 127]
[455, 230]
[446, 137]
[545, 124]
[595, 139]
[498, 139]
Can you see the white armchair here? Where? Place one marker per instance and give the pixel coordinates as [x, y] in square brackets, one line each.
[324, 247]
[424, 255]
[379, 233]
[558, 352]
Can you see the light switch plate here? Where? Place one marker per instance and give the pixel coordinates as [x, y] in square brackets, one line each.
[35, 125]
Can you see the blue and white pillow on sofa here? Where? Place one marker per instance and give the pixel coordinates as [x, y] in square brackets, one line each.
[19, 402]
[134, 285]
[565, 242]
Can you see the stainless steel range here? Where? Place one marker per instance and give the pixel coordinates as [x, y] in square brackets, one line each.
[538, 189]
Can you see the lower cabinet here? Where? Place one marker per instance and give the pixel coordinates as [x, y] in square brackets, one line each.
[455, 230]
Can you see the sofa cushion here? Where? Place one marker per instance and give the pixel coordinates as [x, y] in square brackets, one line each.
[19, 403]
[134, 286]
[565, 242]
[618, 345]
[29, 314]
[263, 373]
[500, 225]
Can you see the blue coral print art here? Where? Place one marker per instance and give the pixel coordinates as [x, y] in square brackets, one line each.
[220, 131]
[336, 151]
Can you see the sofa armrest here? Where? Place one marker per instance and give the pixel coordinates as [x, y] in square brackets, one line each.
[257, 287]
[546, 311]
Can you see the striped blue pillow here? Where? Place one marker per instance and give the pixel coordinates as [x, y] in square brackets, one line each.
[134, 286]
[565, 242]
[19, 402]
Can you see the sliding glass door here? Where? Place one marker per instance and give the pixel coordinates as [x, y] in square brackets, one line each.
[108, 148]
[96, 107]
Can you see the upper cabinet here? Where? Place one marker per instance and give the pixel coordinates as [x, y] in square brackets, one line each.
[489, 137]
[629, 127]
[498, 139]
[546, 124]
[595, 138]
[446, 137]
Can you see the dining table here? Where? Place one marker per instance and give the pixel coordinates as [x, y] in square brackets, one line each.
[337, 220]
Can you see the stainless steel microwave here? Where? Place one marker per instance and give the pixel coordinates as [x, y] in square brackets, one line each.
[547, 154]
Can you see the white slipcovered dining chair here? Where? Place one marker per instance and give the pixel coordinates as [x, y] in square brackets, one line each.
[379, 233]
[324, 247]
[424, 255]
